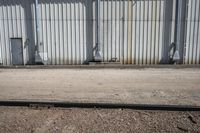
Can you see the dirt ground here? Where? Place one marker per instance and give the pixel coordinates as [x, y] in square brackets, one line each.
[140, 86]
[15, 119]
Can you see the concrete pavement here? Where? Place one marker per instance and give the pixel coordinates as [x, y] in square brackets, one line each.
[134, 86]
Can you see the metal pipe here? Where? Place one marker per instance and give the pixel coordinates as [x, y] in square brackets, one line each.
[176, 56]
[179, 30]
[176, 23]
[37, 27]
[38, 58]
[98, 56]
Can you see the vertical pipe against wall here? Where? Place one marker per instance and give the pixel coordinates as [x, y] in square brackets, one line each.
[180, 29]
[176, 23]
[98, 56]
[37, 26]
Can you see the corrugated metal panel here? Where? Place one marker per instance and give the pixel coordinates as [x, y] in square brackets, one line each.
[66, 32]
[192, 41]
[15, 18]
[132, 31]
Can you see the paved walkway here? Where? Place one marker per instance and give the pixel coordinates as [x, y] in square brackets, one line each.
[135, 86]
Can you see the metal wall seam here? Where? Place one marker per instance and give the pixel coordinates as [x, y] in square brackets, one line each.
[198, 37]
[194, 27]
[1, 49]
[4, 37]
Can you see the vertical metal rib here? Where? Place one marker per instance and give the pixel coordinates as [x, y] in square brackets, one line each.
[123, 25]
[8, 54]
[139, 41]
[159, 32]
[198, 34]
[58, 46]
[189, 19]
[147, 34]
[3, 16]
[75, 38]
[79, 32]
[120, 32]
[54, 37]
[129, 29]
[84, 20]
[136, 56]
[115, 21]
[143, 19]
[193, 30]
[111, 30]
[67, 35]
[71, 35]
[42, 21]
[104, 31]
[63, 36]
[151, 33]
[155, 33]
[107, 31]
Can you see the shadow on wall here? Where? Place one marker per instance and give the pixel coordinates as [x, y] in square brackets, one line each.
[29, 26]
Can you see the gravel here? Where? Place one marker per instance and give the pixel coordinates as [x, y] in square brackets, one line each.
[18, 119]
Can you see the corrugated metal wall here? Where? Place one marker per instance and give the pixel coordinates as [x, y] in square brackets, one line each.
[132, 31]
[192, 39]
[67, 30]
[14, 23]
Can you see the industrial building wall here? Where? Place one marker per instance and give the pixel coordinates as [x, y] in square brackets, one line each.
[16, 22]
[67, 30]
[192, 36]
[132, 32]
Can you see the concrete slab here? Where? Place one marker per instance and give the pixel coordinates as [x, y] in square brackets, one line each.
[133, 86]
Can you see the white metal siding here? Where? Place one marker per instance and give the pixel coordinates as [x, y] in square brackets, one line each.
[132, 31]
[14, 23]
[64, 36]
[192, 41]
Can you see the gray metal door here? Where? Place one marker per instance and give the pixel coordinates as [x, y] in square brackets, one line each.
[17, 52]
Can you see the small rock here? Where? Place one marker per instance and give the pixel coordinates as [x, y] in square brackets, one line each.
[32, 130]
[182, 128]
[62, 117]
[191, 118]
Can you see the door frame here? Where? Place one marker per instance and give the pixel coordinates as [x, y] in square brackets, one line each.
[11, 60]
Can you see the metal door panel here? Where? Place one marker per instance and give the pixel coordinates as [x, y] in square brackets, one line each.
[17, 52]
